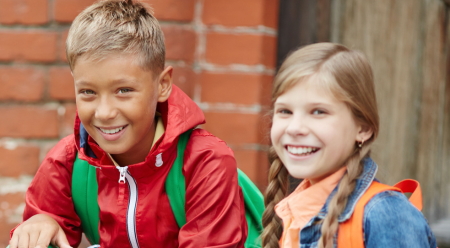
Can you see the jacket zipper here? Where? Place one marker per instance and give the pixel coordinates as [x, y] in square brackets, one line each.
[126, 178]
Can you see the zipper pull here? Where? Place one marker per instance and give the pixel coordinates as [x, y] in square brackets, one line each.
[122, 171]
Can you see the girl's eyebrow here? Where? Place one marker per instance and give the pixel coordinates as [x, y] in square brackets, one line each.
[278, 104]
[320, 104]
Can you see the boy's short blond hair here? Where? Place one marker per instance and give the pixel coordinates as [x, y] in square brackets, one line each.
[117, 26]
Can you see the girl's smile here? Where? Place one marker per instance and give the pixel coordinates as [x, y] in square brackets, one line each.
[301, 150]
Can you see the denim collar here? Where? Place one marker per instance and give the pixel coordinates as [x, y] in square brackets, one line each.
[362, 184]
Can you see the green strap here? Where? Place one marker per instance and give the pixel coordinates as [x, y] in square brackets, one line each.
[254, 208]
[84, 194]
[253, 199]
[175, 184]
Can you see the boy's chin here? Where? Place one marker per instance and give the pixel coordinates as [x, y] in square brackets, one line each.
[111, 149]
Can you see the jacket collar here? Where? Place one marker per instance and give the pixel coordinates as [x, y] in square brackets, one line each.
[362, 184]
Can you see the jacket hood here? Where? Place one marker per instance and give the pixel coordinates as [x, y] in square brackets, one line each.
[179, 114]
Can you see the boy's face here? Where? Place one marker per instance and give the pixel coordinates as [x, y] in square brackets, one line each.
[116, 101]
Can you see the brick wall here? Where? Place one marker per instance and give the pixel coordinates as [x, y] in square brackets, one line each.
[223, 52]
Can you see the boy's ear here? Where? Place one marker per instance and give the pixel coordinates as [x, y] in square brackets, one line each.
[165, 84]
[365, 133]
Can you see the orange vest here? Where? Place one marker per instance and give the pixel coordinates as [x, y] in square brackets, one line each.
[348, 230]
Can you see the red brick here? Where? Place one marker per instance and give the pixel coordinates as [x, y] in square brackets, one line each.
[23, 11]
[62, 46]
[67, 10]
[263, 169]
[61, 84]
[234, 128]
[68, 120]
[247, 49]
[20, 160]
[180, 43]
[254, 164]
[21, 83]
[31, 45]
[241, 13]
[185, 78]
[10, 214]
[271, 13]
[5, 228]
[235, 88]
[173, 10]
[29, 122]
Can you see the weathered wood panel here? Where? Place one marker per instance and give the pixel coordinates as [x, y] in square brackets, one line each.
[407, 43]
[301, 23]
[431, 168]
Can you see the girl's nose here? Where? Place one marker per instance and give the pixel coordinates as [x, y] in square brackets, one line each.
[105, 110]
[297, 126]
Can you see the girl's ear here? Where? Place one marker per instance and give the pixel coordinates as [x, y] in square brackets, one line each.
[365, 132]
[165, 84]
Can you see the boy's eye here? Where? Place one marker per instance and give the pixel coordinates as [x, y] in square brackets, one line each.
[124, 90]
[87, 92]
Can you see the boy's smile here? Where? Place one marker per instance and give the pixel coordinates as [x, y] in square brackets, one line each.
[116, 102]
[112, 133]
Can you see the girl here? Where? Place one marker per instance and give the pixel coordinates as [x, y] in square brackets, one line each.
[325, 119]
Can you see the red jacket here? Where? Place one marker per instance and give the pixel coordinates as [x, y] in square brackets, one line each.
[137, 213]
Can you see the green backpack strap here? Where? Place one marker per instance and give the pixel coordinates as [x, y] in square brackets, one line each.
[84, 195]
[254, 208]
[253, 199]
[175, 184]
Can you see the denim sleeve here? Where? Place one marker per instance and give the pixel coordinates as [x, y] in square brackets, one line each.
[391, 221]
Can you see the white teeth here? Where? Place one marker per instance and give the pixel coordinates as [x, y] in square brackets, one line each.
[301, 150]
[111, 131]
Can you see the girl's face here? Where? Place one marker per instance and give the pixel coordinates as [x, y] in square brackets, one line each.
[313, 133]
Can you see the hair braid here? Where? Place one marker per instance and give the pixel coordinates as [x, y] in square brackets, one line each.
[276, 191]
[338, 203]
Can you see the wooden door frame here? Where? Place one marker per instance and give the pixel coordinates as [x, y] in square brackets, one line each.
[302, 22]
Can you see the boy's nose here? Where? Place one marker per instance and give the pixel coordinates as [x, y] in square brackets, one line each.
[105, 110]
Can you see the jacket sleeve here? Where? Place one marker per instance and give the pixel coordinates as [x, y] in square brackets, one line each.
[50, 190]
[215, 212]
[391, 221]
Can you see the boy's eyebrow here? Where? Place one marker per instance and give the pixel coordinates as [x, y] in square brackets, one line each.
[114, 82]
[82, 83]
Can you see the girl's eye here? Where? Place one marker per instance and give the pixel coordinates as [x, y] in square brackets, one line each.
[318, 112]
[284, 111]
[124, 90]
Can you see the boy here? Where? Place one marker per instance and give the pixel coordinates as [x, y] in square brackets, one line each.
[128, 122]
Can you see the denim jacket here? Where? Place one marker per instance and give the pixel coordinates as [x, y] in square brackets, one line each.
[389, 219]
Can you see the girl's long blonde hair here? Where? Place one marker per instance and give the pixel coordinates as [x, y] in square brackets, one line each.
[348, 76]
